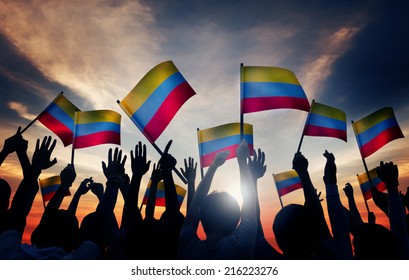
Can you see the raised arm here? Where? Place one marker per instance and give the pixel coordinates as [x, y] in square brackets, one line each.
[312, 201]
[337, 215]
[114, 171]
[192, 217]
[82, 189]
[389, 173]
[190, 174]
[156, 177]
[349, 192]
[140, 166]
[67, 178]
[24, 197]
[168, 162]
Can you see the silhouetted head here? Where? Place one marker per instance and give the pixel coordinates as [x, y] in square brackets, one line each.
[5, 193]
[374, 242]
[219, 212]
[295, 230]
[57, 228]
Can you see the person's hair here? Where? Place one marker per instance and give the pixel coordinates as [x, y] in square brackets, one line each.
[219, 212]
[295, 230]
[374, 242]
[5, 193]
[57, 228]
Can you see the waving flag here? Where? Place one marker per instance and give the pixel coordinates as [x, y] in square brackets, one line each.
[160, 194]
[220, 138]
[156, 99]
[366, 186]
[326, 121]
[287, 182]
[59, 118]
[49, 186]
[266, 88]
[376, 130]
[96, 127]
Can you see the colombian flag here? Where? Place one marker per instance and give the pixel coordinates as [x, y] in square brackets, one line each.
[96, 127]
[376, 130]
[220, 138]
[266, 88]
[326, 121]
[287, 182]
[366, 186]
[156, 99]
[160, 194]
[49, 186]
[59, 118]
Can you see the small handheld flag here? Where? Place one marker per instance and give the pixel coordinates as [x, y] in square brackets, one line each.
[49, 187]
[96, 127]
[376, 130]
[160, 194]
[365, 183]
[59, 118]
[267, 88]
[286, 182]
[326, 121]
[156, 99]
[219, 138]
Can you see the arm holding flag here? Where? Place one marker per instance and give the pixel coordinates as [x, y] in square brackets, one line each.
[67, 178]
[300, 165]
[131, 214]
[388, 173]
[338, 218]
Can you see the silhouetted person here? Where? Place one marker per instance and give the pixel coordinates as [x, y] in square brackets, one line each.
[230, 234]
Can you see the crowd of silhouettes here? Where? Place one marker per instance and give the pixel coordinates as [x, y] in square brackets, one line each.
[232, 231]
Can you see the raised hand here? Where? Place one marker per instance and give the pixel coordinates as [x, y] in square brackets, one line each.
[68, 175]
[389, 174]
[330, 172]
[349, 191]
[300, 163]
[42, 154]
[256, 164]
[115, 169]
[190, 169]
[85, 186]
[156, 175]
[12, 143]
[139, 164]
[167, 161]
[220, 158]
[243, 151]
[97, 189]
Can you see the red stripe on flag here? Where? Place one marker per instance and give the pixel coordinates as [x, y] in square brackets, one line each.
[207, 159]
[48, 196]
[268, 103]
[380, 140]
[59, 128]
[289, 189]
[103, 137]
[313, 130]
[167, 111]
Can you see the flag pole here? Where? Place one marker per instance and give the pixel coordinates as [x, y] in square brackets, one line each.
[241, 103]
[152, 143]
[279, 196]
[366, 203]
[306, 121]
[363, 161]
[200, 155]
[42, 112]
[73, 138]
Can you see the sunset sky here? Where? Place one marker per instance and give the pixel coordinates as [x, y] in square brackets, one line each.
[352, 55]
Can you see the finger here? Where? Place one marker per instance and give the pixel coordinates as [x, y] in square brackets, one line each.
[18, 130]
[119, 155]
[186, 163]
[132, 156]
[144, 151]
[195, 166]
[54, 161]
[53, 145]
[109, 155]
[123, 161]
[38, 144]
[104, 166]
[167, 147]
